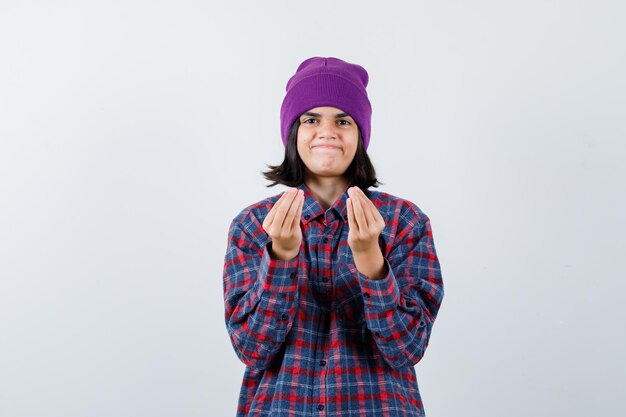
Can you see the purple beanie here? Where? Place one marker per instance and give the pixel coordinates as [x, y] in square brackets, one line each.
[328, 81]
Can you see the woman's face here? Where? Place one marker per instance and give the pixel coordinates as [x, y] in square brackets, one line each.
[327, 141]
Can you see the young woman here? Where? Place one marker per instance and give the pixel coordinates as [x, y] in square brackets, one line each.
[330, 289]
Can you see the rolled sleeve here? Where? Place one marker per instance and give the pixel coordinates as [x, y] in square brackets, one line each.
[277, 275]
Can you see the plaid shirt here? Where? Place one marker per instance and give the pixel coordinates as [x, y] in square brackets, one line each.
[318, 337]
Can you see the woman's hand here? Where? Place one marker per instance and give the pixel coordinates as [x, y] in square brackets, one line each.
[282, 224]
[365, 222]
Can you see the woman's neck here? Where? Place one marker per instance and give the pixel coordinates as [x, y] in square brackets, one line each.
[326, 190]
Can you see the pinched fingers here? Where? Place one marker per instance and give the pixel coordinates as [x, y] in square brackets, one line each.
[288, 211]
[284, 230]
[282, 224]
[374, 218]
[277, 215]
[297, 210]
[360, 215]
[363, 216]
[269, 219]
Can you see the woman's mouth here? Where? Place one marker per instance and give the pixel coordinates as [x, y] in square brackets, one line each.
[326, 147]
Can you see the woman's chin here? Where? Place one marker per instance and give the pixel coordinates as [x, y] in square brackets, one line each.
[328, 172]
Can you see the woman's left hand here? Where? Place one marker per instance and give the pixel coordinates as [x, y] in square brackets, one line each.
[365, 222]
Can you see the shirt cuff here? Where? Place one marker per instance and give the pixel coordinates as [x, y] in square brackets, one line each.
[380, 294]
[277, 275]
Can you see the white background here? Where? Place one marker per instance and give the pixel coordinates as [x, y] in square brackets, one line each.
[132, 132]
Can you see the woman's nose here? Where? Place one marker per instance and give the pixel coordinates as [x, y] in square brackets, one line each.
[327, 128]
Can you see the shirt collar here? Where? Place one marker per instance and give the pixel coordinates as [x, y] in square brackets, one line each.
[312, 209]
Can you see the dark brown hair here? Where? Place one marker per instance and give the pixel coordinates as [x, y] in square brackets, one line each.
[291, 171]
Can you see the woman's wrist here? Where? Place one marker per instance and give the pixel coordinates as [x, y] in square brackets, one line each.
[280, 254]
[371, 263]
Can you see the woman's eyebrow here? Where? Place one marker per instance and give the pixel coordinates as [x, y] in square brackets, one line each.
[337, 116]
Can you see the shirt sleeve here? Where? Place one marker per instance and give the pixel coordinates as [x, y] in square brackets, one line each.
[401, 308]
[260, 297]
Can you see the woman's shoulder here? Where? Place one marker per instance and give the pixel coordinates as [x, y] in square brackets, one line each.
[397, 207]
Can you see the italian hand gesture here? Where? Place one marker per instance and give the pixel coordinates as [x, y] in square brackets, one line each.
[282, 224]
[365, 222]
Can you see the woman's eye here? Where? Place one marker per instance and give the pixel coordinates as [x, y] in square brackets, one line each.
[343, 122]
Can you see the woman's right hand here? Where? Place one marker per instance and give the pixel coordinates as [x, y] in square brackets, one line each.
[282, 224]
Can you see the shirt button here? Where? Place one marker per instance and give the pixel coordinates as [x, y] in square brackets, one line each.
[320, 407]
[323, 362]
[284, 317]
[292, 275]
[325, 239]
[345, 217]
[366, 295]
[325, 279]
[306, 216]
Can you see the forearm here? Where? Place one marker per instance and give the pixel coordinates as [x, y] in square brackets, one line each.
[401, 308]
[260, 298]
[400, 322]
